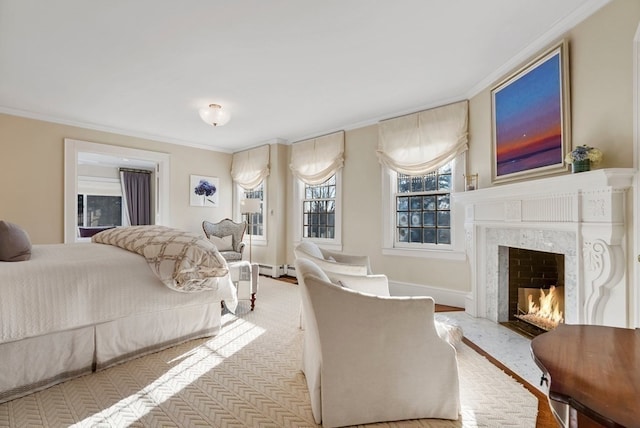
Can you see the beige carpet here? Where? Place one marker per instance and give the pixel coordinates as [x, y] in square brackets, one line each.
[247, 376]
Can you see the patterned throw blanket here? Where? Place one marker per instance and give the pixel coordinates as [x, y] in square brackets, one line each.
[182, 260]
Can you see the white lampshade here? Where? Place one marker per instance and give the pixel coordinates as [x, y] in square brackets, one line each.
[249, 206]
[214, 115]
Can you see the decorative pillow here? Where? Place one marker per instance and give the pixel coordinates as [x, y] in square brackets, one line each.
[222, 244]
[15, 245]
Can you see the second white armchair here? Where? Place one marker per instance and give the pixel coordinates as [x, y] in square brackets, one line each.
[369, 358]
[332, 262]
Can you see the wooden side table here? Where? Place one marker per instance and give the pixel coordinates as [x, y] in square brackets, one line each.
[595, 370]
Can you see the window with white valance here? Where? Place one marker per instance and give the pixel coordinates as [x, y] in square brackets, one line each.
[314, 161]
[422, 142]
[316, 164]
[250, 167]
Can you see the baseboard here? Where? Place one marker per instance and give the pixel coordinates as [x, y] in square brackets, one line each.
[442, 296]
[289, 270]
[273, 271]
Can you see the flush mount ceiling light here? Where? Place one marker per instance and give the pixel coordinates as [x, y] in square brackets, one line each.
[214, 115]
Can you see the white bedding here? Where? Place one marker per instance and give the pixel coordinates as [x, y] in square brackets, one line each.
[66, 286]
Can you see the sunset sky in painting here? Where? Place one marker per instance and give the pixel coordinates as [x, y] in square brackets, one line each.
[529, 120]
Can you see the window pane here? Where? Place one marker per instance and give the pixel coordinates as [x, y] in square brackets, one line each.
[80, 210]
[416, 220]
[429, 203]
[417, 184]
[415, 235]
[444, 182]
[104, 210]
[404, 183]
[430, 236]
[416, 203]
[331, 219]
[444, 218]
[403, 234]
[330, 232]
[403, 219]
[430, 183]
[403, 204]
[429, 219]
[443, 202]
[444, 236]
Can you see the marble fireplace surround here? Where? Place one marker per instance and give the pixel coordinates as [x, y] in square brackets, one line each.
[581, 216]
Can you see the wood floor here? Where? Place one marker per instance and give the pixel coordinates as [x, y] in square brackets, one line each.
[545, 417]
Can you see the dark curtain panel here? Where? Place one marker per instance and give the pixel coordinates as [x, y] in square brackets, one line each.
[137, 187]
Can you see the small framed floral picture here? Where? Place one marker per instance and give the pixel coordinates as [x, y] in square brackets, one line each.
[203, 191]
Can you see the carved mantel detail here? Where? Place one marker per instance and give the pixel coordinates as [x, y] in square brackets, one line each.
[579, 215]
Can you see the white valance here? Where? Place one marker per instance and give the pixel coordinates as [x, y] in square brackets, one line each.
[422, 142]
[314, 161]
[250, 167]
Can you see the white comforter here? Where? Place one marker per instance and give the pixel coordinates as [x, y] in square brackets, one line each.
[66, 286]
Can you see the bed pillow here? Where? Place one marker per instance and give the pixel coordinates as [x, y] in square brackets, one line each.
[222, 244]
[15, 245]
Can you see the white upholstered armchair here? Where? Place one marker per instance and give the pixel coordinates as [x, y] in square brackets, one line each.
[331, 262]
[373, 358]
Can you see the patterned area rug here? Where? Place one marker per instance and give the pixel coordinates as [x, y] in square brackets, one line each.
[247, 376]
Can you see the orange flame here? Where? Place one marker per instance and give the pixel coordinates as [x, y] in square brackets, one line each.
[549, 308]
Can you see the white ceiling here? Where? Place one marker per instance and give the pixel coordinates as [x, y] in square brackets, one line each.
[287, 69]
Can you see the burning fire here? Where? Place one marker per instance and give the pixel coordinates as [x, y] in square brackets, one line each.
[547, 314]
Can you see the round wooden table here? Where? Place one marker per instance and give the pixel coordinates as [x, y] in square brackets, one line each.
[593, 369]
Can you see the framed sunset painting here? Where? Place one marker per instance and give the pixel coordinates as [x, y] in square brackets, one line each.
[530, 114]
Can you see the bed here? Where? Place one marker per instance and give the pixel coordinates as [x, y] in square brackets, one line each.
[76, 308]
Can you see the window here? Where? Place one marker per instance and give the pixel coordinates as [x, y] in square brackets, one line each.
[423, 207]
[255, 221]
[99, 201]
[419, 219]
[99, 210]
[319, 210]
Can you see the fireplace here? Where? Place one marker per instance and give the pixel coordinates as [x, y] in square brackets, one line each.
[536, 291]
[581, 217]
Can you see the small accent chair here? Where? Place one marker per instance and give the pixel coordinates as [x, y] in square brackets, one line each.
[226, 235]
[331, 262]
[370, 358]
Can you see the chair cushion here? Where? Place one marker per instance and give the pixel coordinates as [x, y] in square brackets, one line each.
[311, 249]
[15, 245]
[231, 256]
[222, 244]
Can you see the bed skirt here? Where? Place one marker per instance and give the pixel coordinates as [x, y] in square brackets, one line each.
[36, 363]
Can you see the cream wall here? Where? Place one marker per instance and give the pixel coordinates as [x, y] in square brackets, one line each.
[601, 86]
[32, 165]
[32, 173]
[601, 106]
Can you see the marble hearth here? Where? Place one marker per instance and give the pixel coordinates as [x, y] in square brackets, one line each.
[582, 216]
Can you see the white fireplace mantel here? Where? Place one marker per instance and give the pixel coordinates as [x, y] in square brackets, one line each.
[579, 215]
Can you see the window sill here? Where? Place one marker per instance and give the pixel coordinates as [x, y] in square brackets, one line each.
[425, 253]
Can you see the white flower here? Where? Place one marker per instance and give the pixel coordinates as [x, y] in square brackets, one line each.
[584, 152]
